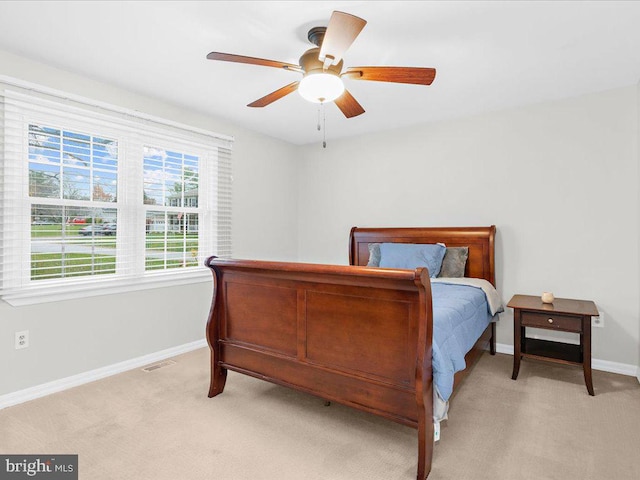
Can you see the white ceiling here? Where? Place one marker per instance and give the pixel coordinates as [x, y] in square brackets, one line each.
[488, 55]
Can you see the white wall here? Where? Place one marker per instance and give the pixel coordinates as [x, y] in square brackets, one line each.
[72, 337]
[559, 180]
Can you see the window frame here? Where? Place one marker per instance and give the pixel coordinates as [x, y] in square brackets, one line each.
[99, 119]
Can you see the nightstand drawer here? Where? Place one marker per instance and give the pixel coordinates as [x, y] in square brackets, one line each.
[552, 321]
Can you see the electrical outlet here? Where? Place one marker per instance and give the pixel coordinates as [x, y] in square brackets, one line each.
[598, 321]
[22, 339]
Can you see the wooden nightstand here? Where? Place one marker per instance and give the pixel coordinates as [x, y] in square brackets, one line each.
[562, 315]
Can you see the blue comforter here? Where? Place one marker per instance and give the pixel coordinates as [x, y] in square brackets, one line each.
[460, 315]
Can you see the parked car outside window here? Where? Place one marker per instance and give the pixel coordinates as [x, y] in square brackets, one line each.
[98, 229]
[109, 228]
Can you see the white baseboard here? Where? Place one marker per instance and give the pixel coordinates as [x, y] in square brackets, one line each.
[602, 365]
[48, 388]
[504, 348]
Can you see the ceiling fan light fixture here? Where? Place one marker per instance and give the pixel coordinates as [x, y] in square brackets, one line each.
[320, 87]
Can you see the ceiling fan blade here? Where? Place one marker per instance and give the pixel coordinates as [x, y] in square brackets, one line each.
[349, 105]
[415, 75]
[230, 57]
[273, 96]
[341, 32]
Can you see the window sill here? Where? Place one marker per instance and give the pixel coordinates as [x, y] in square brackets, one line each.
[57, 293]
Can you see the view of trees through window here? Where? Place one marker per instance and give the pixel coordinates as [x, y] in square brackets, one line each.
[69, 165]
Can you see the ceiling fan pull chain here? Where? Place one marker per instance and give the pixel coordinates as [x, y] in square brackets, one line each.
[324, 127]
[318, 117]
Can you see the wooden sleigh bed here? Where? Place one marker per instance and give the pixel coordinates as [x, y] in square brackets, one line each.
[353, 334]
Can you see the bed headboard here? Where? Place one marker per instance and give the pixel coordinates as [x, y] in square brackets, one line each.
[480, 240]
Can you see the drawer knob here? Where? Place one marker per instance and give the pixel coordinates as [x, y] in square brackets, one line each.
[550, 320]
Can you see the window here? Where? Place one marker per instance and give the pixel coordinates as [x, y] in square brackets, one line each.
[171, 186]
[96, 199]
[69, 239]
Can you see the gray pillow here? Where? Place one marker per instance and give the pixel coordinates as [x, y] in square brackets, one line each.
[454, 261]
[374, 255]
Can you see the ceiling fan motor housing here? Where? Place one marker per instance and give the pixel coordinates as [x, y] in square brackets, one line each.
[310, 63]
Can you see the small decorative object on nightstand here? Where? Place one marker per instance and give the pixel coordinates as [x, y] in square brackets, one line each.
[547, 297]
[562, 315]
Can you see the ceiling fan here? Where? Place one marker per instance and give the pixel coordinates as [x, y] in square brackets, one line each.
[321, 67]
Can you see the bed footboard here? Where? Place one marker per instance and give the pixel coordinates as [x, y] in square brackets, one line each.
[358, 336]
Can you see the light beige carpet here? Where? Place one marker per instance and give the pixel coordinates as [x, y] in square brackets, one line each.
[161, 426]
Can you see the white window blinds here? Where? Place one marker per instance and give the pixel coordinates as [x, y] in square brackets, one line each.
[96, 199]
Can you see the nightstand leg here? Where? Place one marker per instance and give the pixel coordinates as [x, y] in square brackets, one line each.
[517, 339]
[586, 354]
[516, 367]
[588, 380]
[492, 342]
